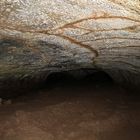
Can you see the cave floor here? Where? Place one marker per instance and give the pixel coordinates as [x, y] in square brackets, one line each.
[72, 113]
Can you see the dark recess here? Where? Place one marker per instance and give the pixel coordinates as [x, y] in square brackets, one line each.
[81, 77]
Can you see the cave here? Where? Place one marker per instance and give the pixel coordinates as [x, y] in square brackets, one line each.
[69, 69]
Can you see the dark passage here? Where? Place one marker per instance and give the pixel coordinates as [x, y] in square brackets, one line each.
[13, 87]
[78, 78]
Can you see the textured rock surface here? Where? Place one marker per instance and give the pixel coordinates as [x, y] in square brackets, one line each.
[42, 36]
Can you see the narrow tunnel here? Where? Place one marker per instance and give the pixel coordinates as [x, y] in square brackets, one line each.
[80, 77]
[73, 78]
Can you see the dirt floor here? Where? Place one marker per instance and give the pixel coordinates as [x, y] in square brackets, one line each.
[83, 112]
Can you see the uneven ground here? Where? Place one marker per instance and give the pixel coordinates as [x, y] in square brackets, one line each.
[82, 111]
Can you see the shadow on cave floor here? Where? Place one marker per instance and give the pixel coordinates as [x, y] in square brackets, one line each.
[73, 106]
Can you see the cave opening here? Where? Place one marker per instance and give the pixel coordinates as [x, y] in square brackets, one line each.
[72, 79]
[80, 77]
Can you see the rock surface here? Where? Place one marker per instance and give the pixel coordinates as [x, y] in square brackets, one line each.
[40, 37]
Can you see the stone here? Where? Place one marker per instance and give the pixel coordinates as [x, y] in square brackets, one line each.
[41, 37]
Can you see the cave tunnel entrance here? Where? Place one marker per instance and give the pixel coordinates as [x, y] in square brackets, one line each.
[72, 79]
[80, 77]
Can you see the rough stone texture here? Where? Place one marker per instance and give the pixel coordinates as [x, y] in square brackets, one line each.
[43, 36]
